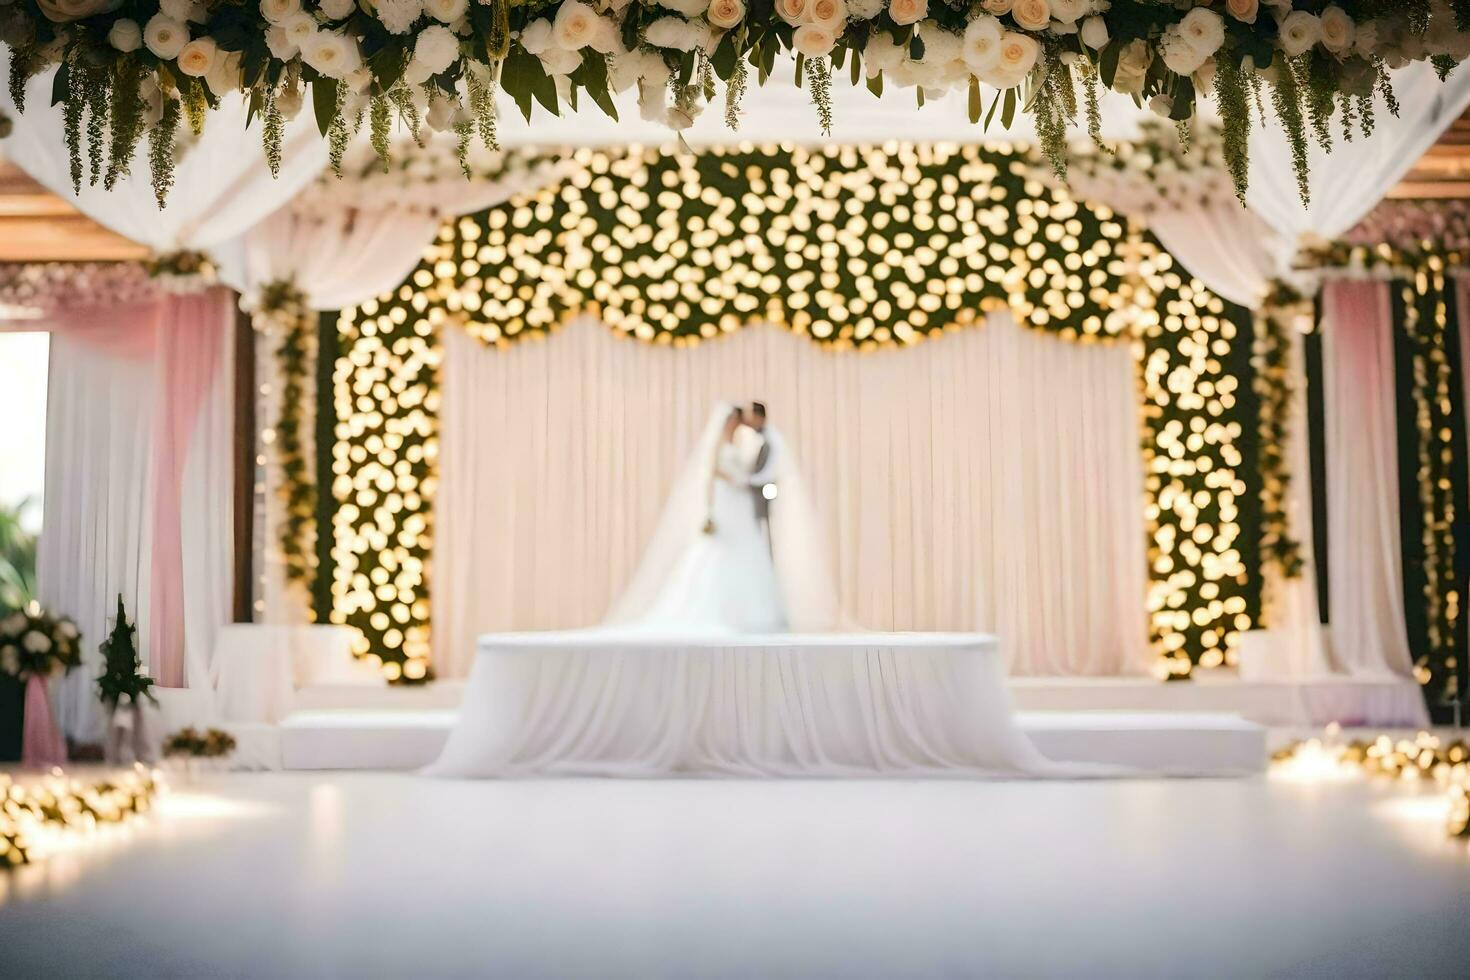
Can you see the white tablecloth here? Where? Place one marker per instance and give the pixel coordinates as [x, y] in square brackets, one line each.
[600, 702]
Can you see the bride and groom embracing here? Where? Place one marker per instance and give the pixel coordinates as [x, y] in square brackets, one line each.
[737, 549]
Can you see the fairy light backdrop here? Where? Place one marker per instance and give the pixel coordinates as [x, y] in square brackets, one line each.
[854, 247]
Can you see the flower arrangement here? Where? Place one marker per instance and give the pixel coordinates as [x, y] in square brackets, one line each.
[183, 271]
[212, 743]
[130, 70]
[33, 643]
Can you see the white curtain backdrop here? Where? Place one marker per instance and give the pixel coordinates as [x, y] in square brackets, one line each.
[985, 480]
[101, 438]
[98, 507]
[1369, 636]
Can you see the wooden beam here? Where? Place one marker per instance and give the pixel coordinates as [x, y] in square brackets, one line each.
[244, 475]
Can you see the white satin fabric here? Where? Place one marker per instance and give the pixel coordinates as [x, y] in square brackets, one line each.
[988, 480]
[222, 185]
[1369, 635]
[596, 704]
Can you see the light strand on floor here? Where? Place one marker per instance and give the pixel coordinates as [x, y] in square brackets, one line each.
[36, 813]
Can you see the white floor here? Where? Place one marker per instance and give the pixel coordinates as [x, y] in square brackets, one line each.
[367, 875]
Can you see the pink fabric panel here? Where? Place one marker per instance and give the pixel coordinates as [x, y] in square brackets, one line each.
[41, 745]
[190, 332]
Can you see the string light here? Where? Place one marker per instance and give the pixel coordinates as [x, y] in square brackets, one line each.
[855, 247]
[33, 814]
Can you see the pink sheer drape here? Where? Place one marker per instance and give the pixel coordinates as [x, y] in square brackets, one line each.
[181, 335]
[1369, 636]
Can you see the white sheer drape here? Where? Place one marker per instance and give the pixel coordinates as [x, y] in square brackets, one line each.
[988, 479]
[222, 186]
[1369, 636]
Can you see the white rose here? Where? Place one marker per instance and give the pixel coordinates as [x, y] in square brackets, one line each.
[67, 629]
[881, 53]
[1181, 57]
[673, 32]
[165, 36]
[997, 7]
[36, 642]
[446, 11]
[276, 11]
[1243, 10]
[281, 46]
[332, 54]
[1162, 105]
[397, 16]
[814, 40]
[1366, 42]
[436, 48]
[197, 57]
[906, 12]
[125, 35]
[982, 43]
[689, 8]
[725, 13]
[865, 9]
[1018, 53]
[1203, 30]
[1095, 33]
[831, 14]
[1033, 15]
[337, 9]
[1338, 30]
[299, 27]
[178, 10]
[574, 26]
[560, 61]
[791, 11]
[536, 36]
[1299, 31]
[940, 49]
[1070, 11]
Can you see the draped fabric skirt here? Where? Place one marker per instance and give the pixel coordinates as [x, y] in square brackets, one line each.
[624, 703]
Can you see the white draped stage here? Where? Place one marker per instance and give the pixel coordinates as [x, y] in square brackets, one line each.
[985, 480]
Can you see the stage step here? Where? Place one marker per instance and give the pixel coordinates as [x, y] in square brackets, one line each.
[1195, 744]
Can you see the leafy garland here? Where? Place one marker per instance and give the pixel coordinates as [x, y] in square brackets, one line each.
[129, 70]
[56, 804]
[282, 314]
[1275, 387]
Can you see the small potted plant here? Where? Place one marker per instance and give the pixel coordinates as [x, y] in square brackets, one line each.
[122, 688]
[36, 647]
[191, 746]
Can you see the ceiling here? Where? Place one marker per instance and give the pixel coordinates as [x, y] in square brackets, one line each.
[38, 226]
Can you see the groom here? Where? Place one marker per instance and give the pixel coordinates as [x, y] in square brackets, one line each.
[767, 464]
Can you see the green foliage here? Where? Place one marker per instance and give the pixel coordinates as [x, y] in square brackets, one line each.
[17, 559]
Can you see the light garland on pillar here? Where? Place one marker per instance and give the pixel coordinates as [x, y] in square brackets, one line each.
[1283, 310]
[853, 247]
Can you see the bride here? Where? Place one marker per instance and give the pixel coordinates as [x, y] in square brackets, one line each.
[713, 566]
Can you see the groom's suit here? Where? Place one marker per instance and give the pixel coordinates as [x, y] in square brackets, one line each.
[767, 465]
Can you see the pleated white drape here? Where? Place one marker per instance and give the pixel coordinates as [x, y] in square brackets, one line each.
[102, 435]
[1369, 636]
[985, 480]
[98, 530]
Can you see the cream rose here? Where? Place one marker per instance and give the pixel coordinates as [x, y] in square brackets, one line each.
[1181, 57]
[446, 11]
[436, 47]
[1070, 11]
[337, 9]
[829, 13]
[125, 35]
[997, 7]
[276, 11]
[1203, 30]
[906, 12]
[299, 27]
[1243, 10]
[197, 57]
[1032, 15]
[165, 37]
[814, 40]
[1018, 53]
[62, 11]
[725, 13]
[332, 54]
[791, 11]
[673, 32]
[574, 26]
[1338, 30]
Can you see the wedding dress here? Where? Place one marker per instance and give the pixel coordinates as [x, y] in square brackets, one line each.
[711, 568]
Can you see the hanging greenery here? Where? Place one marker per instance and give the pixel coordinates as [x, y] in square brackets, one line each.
[1283, 310]
[126, 69]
